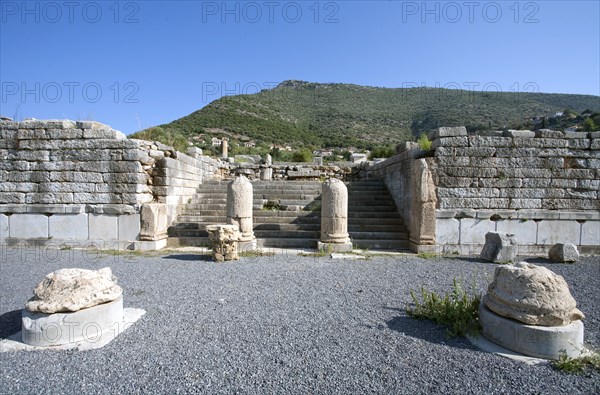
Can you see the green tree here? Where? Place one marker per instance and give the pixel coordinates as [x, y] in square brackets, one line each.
[589, 125]
[302, 155]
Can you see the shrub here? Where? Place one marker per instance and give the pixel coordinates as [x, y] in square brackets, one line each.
[458, 310]
[424, 142]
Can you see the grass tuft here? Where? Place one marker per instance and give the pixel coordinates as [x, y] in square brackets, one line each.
[458, 310]
[577, 365]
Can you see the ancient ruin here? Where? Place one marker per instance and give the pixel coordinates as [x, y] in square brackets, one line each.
[334, 217]
[239, 211]
[563, 253]
[500, 247]
[224, 241]
[65, 182]
[526, 302]
[73, 308]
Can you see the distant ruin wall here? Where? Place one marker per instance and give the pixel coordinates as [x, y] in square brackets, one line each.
[66, 180]
[542, 186]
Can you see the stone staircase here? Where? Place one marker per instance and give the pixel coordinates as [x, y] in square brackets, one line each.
[287, 215]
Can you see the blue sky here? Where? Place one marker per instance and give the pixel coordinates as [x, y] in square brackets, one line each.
[136, 64]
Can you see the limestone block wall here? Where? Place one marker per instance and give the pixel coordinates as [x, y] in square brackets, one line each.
[543, 186]
[84, 181]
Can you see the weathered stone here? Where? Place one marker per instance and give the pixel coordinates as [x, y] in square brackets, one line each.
[194, 152]
[90, 326]
[450, 142]
[499, 247]
[74, 289]
[239, 207]
[225, 149]
[448, 132]
[424, 199]
[548, 342]
[266, 174]
[224, 240]
[549, 134]
[519, 133]
[154, 222]
[334, 214]
[563, 253]
[531, 294]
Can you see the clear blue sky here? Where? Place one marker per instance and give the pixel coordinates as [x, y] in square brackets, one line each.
[135, 64]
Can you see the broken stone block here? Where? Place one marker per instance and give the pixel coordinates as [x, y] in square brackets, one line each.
[563, 253]
[68, 290]
[153, 219]
[224, 240]
[499, 247]
[531, 294]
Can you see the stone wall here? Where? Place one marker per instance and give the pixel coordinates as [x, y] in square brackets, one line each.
[542, 186]
[290, 170]
[66, 180]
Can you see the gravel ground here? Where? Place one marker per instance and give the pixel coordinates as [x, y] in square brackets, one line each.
[279, 324]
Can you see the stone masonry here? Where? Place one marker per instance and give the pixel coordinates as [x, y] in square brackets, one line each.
[66, 180]
[542, 186]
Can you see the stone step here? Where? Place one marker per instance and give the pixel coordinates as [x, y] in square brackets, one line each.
[365, 209]
[287, 243]
[287, 234]
[188, 241]
[288, 214]
[373, 214]
[375, 235]
[371, 222]
[392, 245]
[199, 218]
[393, 227]
[315, 227]
[287, 220]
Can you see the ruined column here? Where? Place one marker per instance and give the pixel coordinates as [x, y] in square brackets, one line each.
[334, 217]
[224, 241]
[239, 211]
[225, 147]
[422, 222]
[266, 171]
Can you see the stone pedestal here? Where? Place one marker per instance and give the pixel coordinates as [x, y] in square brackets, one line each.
[154, 222]
[546, 342]
[529, 309]
[334, 217]
[239, 209]
[224, 240]
[86, 325]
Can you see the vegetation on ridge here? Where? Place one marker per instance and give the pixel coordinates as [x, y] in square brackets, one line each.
[314, 115]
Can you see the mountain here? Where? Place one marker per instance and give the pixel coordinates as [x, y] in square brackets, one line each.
[342, 115]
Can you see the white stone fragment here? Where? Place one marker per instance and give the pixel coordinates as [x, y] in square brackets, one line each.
[563, 253]
[68, 290]
[499, 247]
[531, 294]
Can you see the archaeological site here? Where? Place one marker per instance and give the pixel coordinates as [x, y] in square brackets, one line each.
[84, 184]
